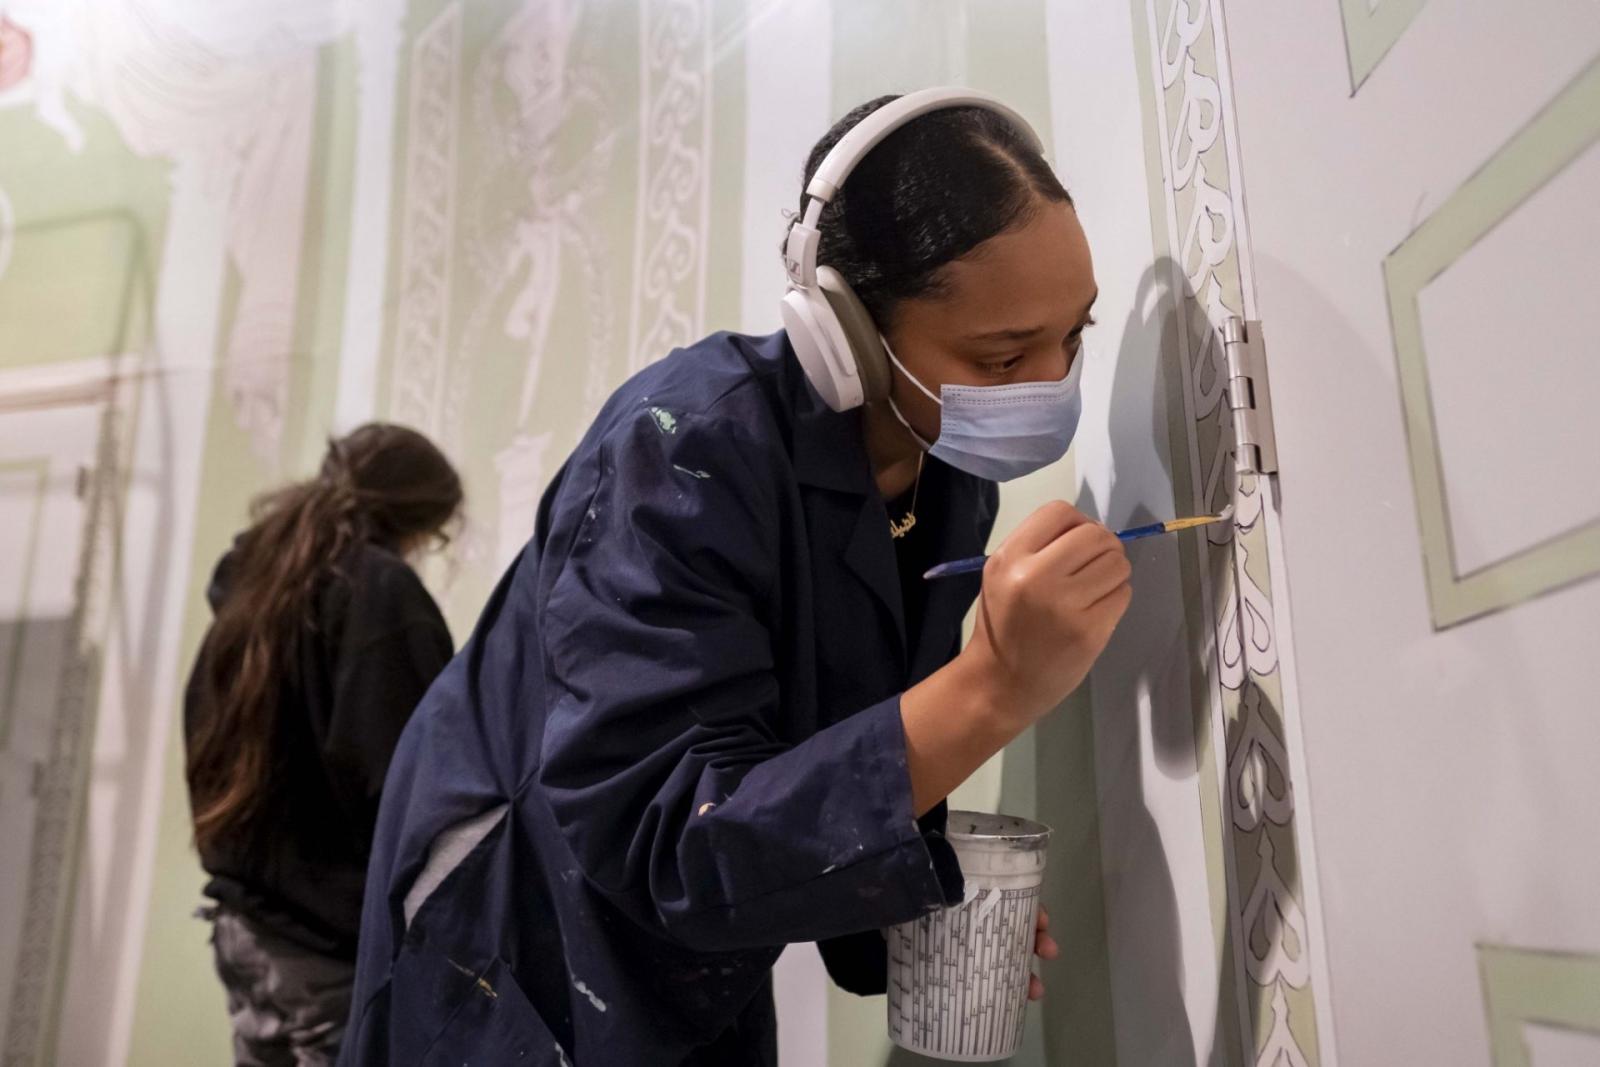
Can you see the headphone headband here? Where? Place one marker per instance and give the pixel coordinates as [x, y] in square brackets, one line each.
[865, 135]
[800, 254]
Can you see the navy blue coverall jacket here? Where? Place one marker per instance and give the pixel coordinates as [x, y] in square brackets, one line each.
[672, 746]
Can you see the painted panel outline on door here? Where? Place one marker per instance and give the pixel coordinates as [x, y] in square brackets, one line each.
[1371, 28]
[1557, 136]
[51, 894]
[1529, 986]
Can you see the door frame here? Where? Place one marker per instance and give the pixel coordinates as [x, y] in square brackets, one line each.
[51, 898]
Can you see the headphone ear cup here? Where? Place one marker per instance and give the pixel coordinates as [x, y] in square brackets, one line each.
[819, 344]
[860, 332]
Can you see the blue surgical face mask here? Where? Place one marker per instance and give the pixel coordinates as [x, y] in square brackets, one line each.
[1001, 432]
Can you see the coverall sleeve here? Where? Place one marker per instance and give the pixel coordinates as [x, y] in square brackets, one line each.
[665, 756]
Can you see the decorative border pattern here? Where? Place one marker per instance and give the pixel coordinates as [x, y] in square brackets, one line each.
[1522, 986]
[669, 258]
[421, 368]
[1199, 195]
[1566, 128]
[1371, 27]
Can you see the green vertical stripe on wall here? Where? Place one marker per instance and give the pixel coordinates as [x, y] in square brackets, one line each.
[324, 259]
[725, 225]
[419, 13]
[999, 46]
[1077, 1010]
[1048, 772]
[1006, 55]
[893, 46]
[926, 47]
[180, 1013]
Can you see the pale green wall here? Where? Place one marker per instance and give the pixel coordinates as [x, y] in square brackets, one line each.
[91, 220]
[88, 231]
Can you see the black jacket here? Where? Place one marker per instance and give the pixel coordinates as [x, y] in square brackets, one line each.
[374, 643]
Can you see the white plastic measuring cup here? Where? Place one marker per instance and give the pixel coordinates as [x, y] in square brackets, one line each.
[958, 977]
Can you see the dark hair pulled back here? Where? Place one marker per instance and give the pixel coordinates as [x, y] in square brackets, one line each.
[381, 484]
[925, 196]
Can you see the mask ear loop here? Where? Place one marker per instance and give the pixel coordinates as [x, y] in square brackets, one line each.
[925, 445]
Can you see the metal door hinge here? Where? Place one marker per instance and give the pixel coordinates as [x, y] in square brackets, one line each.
[1255, 446]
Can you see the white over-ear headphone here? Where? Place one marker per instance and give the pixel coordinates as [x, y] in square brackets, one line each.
[839, 346]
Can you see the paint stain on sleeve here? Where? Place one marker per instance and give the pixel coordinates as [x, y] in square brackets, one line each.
[666, 421]
[599, 1005]
[701, 475]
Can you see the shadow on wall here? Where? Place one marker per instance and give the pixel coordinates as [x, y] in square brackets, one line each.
[1175, 675]
[1111, 864]
[1137, 878]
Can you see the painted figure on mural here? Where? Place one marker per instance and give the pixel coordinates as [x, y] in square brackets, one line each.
[712, 708]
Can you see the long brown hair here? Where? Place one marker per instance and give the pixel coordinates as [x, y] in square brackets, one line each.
[381, 484]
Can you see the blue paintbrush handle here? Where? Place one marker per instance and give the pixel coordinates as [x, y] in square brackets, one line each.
[960, 566]
[1137, 532]
[975, 563]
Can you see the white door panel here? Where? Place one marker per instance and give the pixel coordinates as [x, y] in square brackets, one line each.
[1425, 255]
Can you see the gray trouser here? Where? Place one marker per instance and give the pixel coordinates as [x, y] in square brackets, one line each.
[288, 1004]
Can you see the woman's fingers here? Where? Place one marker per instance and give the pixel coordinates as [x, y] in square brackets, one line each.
[1045, 947]
[1042, 527]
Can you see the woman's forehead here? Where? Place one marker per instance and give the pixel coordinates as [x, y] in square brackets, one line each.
[1037, 274]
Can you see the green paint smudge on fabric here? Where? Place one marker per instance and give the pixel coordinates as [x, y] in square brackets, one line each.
[666, 421]
[702, 475]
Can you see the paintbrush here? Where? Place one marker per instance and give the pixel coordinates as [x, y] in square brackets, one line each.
[967, 566]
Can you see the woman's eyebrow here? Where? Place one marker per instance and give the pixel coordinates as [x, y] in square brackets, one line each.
[1023, 334]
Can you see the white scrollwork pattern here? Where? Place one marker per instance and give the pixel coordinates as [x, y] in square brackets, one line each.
[1258, 760]
[1201, 196]
[1274, 915]
[670, 239]
[420, 387]
[1281, 1049]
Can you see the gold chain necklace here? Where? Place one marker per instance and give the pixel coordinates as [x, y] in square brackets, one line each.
[899, 529]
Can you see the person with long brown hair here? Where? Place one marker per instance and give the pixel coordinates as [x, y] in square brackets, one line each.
[323, 641]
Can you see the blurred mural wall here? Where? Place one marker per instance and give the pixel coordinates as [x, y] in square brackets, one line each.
[229, 228]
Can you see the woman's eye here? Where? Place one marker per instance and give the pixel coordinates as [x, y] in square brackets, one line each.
[1074, 339]
[1001, 367]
